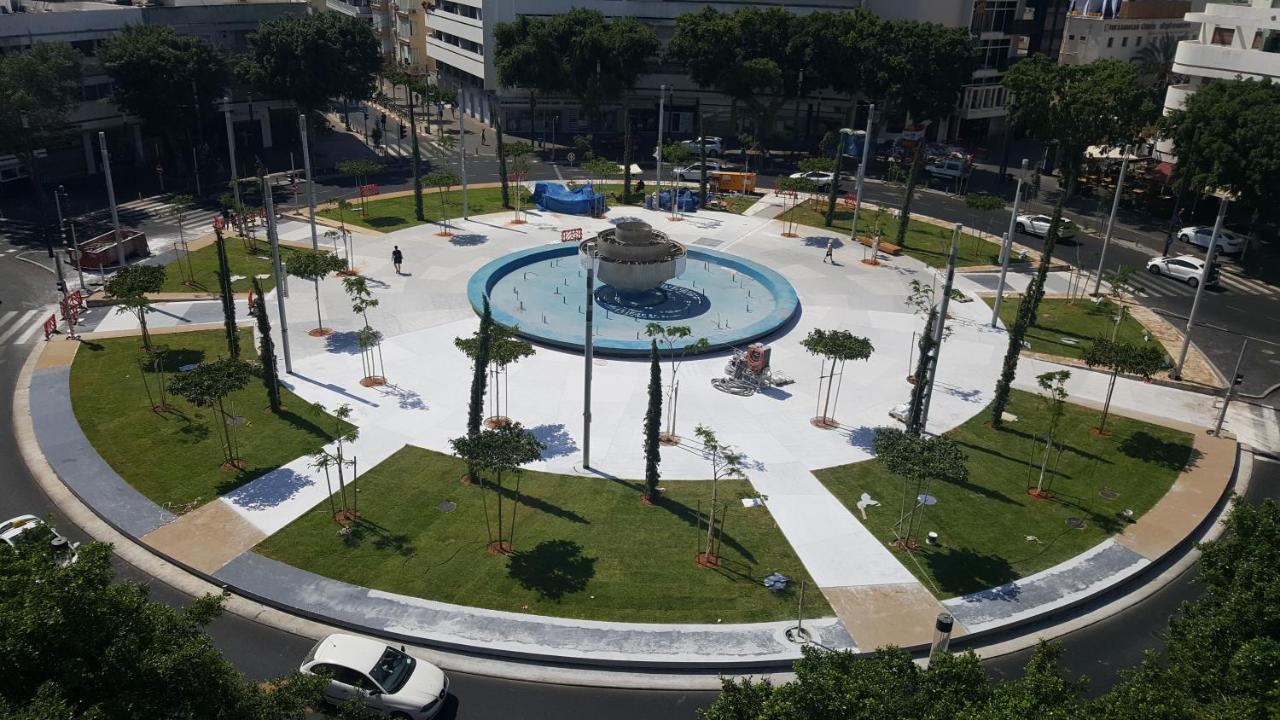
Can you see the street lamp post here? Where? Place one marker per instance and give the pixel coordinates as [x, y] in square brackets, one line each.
[462, 162]
[274, 239]
[857, 199]
[1006, 247]
[231, 150]
[1231, 383]
[588, 347]
[311, 188]
[662, 97]
[111, 196]
[1111, 221]
[1204, 276]
[939, 326]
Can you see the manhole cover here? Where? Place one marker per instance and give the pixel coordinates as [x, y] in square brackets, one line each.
[236, 420]
[1075, 523]
[447, 506]
[1069, 341]
[1108, 494]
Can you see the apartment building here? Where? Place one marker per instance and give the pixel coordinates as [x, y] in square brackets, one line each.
[1097, 31]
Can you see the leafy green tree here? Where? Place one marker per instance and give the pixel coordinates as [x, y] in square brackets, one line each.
[834, 346]
[479, 370]
[77, 645]
[505, 348]
[312, 58]
[38, 89]
[208, 385]
[270, 373]
[1100, 103]
[727, 463]
[495, 453]
[984, 205]
[1156, 59]
[653, 426]
[443, 181]
[129, 287]
[518, 154]
[1121, 357]
[314, 265]
[670, 335]
[918, 460]
[360, 170]
[368, 339]
[527, 56]
[600, 168]
[227, 296]
[168, 80]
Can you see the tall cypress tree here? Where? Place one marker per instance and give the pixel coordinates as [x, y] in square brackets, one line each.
[228, 299]
[653, 425]
[480, 372]
[266, 349]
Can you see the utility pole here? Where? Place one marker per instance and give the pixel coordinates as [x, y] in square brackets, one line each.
[1111, 221]
[1007, 246]
[1204, 277]
[462, 160]
[588, 347]
[111, 196]
[417, 160]
[862, 173]
[939, 326]
[273, 238]
[311, 188]
[231, 150]
[1231, 384]
[657, 183]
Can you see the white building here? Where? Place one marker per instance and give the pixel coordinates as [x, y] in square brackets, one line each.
[1096, 33]
[460, 45]
[1233, 41]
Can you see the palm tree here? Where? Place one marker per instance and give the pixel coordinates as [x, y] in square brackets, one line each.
[1156, 59]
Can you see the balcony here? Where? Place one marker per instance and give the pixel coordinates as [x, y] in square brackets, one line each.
[983, 101]
[1196, 59]
[353, 9]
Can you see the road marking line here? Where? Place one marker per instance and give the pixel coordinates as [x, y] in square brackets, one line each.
[20, 322]
[33, 328]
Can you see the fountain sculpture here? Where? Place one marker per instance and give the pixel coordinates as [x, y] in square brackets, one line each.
[633, 257]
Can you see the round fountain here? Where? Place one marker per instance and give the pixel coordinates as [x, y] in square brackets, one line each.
[643, 277]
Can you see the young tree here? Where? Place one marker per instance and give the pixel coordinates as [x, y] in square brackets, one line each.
[314, 265]
[918, 460]
[669, 335]
[601, 169]
[1120, 357]
[834, 346]
[1053, 399]
[208, 385]
[368, 339]
[726, 463]
[179, 206]
[495, 452]
[653, 426]
[505, 348]
[479, 370]
[1120, 283]
[266, 349]
[227, 296]
[38, 89]
[360, 170]
[1100, 103]
[129, 287]
[443, 181]
[983, 205]
[518, 154]
[328, 460]
[311, 58]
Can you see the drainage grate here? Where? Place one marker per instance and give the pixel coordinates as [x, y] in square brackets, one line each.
[1075, 523]
[447, 506]
[1108, 494]
[708, 242]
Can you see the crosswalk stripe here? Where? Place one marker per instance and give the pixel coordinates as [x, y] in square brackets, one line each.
[20, 322]
[32, 329]
[1251, 285]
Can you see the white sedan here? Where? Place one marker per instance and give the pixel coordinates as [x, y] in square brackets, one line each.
[820, 178]
[1228, 242]
[694, 171]
[28, 528]
[1186, 268]
[1038, 225]
[384, 679]
[715, 145]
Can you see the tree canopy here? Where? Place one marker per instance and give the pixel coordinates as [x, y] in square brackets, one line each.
[936, 457]
[313, 264]
[1143, 360]
[134, 281]
[837, 344]
[210, 382]
[506, 448]
[312, 58]
[921, 67]
[505, 346]
[38, 88]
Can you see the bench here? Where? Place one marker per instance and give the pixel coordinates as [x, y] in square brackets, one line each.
[885, 247]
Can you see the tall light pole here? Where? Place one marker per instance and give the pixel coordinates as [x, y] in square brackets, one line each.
[111, 196]
[274, 239]
[462, 161]
[58, 195]
[857, 188]
[1111, 221]
[1204, 277]
[231, 150]
[588, 350]
[1231, 383]
[311, 188]
[1006, 247]
[939, 326]
[662, 98]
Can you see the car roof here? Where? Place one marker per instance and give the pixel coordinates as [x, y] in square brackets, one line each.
[350, 651]
[10, 529]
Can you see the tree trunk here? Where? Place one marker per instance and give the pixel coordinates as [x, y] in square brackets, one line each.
[319, 320]
[904, 220]
[1106, 406]
[496, 114]
[146, 336]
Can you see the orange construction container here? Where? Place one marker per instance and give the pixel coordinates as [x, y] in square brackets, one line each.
[742, 182]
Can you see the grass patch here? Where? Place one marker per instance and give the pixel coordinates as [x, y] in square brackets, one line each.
[1059, 322]
[173, 457]
[585, 547]
[983, 526]
[204, 267]
[927, 243]
[397, 213]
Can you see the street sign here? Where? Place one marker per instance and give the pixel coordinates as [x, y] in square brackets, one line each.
[218, 222]
[369, 190]
[571, 157]
[517, 176]
[571, 235]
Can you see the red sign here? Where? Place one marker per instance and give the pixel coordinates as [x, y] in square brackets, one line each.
[517, 176]
[217, 222]
[50, 326]
[571, 235]
[369, 190]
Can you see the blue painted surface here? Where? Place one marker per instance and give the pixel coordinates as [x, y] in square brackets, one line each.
[711, 297]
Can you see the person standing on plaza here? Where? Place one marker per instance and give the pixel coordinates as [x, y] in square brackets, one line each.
[397, 257]
[830, 252]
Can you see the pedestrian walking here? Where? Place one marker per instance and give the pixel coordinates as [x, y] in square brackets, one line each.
[830, 250]
[397, 257]
[483, 141]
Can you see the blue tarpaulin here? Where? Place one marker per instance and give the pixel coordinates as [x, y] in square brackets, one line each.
[554, 197]
[686, 200]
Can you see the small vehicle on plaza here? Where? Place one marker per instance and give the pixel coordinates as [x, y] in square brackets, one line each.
[386, 680]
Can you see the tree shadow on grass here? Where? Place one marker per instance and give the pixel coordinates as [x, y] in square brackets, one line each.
[383, 539]
[305, 425]
[1108, 523]
[1151, 449]
[1065, 447]
[508, 493]
[385, 221]
[553, 569]
[175, 358]
[694, 518]
[961, 571]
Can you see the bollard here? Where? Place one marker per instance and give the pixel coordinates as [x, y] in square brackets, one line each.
[941, 635]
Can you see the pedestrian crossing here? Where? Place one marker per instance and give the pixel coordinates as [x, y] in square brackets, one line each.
[19, 232]
[1148, 285]
[153, 214]
[19, 327]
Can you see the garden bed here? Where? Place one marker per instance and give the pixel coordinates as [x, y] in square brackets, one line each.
[1066, 327]
[397, 213]
[204, 267]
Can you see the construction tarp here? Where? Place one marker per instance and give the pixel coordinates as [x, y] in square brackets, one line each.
[554, 197]
[686, 200]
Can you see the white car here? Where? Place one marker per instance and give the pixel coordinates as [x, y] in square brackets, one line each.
[1228, 242]
[1186, 268]
[948, 168]
[384, 679]
[29, 528]
[694, 171]
[715, 146]
[1038, 225]
[820, 178]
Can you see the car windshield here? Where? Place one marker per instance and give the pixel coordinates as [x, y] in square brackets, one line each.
[393, 670]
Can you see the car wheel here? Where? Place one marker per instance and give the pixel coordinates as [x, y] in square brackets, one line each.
[1154, 269]
[1184, 238]
[1021, 228]
[1193, 281]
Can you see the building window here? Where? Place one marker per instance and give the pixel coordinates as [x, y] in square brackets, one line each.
[1124, 41]
[994, 54]
[1137, 42]
[1111, 41]
[1071, 37]
[1223, 36]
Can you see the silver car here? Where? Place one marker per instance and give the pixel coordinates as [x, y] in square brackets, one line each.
[1199, 235]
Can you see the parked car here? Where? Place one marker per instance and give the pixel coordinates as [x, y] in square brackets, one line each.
[384, 679]
[1038, 225]
[950, 168]
[821, 178]
[715, 146]
[1186, 268]
[26, 529]
[694, 171]
[1228, 242]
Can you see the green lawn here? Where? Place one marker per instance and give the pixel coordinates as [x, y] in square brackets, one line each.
[927, 243]
[738, 204]
[397, 213]
[1065, 327]
[203, 266]
[983, 526]
[585, 547]
[173, 458]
